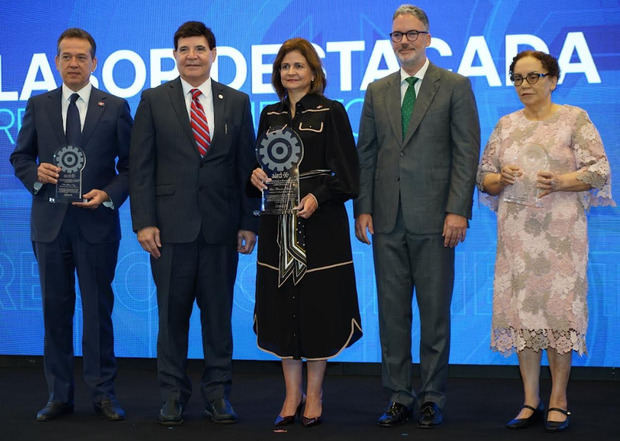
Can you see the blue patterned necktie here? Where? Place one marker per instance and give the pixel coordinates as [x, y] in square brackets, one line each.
[408, 103]
[73, 128]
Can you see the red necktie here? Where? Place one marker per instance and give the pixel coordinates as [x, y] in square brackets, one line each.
[200, 127]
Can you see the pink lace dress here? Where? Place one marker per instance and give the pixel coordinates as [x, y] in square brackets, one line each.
[540, 283]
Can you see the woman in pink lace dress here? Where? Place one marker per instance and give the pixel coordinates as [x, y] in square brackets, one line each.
[540, 286]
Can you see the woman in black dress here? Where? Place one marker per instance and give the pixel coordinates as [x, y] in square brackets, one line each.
[306, 300]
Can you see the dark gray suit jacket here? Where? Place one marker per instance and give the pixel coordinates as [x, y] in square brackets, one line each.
[105, 138]
[175, 190]
[433, 169]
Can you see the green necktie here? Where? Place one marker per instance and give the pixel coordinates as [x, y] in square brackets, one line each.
[408, 103]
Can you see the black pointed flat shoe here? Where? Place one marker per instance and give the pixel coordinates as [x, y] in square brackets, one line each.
[522, 423]
[557, 426]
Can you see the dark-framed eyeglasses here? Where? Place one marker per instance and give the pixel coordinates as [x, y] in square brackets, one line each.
[532, 78]
[412, 35]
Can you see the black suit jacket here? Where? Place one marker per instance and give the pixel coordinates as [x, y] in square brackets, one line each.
[105, 140]
[175, 190]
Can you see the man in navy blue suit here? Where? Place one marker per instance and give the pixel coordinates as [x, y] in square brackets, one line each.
[81, 236]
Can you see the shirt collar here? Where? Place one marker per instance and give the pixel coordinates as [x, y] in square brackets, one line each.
[84, 92]
[205, 87]
[419, 74]
[308, 101]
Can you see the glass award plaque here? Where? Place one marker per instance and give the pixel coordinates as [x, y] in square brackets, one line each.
[71, 161]
[533, 159]
[279, 154]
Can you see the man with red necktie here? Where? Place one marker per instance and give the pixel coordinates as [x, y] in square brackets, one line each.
[192, 151]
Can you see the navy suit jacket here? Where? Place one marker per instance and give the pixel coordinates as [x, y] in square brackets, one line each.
[105, 141]
[172, 187]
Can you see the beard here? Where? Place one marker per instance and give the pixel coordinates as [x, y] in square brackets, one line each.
[410, 58]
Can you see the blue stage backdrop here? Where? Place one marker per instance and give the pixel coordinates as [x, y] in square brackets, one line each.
[475, 38]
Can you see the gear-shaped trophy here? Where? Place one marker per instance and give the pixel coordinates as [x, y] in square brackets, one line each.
[279, 150]
[71, 160]
[279, 154]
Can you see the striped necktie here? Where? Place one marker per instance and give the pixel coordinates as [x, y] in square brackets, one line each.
[408, 103]
[200, 126]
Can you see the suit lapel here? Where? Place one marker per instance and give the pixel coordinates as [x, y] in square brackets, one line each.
[393, 103]
[96, 107]
[429, 88]
[219, 110]
[175, 93]
[54, 112]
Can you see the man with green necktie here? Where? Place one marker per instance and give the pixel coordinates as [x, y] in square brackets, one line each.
[419, 141]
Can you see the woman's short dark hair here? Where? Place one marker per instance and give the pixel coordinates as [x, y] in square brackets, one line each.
[548, 61]
[307, 50]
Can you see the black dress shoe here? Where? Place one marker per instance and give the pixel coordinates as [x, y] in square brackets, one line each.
[171, 413]
[221, 411]
[54, 409]
[557, 426]
[110, 408]
[430, 415]
[282, 421]
[394, 415]
[521, 423]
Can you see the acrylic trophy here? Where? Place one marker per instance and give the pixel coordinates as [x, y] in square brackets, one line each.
[71, 161]
[279, 154]
[533, 159]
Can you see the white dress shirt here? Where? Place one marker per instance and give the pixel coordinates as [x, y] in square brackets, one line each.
[404, 84]
[81, 103]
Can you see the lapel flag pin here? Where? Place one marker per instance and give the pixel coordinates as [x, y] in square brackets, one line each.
[100, 104]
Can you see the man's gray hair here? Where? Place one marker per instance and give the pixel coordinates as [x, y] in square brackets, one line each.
[412, 10]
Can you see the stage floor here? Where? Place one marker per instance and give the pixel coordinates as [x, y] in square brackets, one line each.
[477, 409]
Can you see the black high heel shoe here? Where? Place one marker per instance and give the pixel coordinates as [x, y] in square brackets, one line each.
[310, 422]
[522, 423]
[557, 426]
[282, 421]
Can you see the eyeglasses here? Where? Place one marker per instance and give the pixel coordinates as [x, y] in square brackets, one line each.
[532, 78]
[412, 35]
